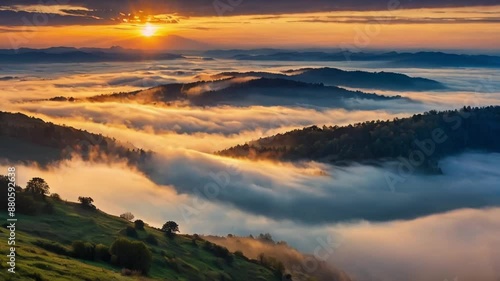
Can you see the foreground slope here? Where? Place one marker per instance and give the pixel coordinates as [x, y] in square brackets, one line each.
[44, 250]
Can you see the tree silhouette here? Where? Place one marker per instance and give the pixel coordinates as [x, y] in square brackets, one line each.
[37, 187]
[86, 202]
[128, 216]
[170, 227]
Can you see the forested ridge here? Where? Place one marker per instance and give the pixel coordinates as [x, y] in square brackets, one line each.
[436, 134]
[25, 138]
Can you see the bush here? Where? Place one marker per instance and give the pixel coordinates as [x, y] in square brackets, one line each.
[240, 254]
[219, 251]
[102, 253]
[131, 232]
[48, 208]
[25, 204]
[36, 276]
[139, 225]
[151, 239]
[55, 197]
[83, 250]
[52, 247]
[131, 255]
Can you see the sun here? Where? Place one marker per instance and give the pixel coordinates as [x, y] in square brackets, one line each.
[148, 30]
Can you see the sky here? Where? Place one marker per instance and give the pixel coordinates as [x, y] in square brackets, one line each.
[200, 24]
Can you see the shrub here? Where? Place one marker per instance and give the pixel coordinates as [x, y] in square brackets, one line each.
[131, 232]
[25, 204]
[131, 255]
[48, 208]
[36, 276]
[139, 225]
[83, 250]
[240, 254]
[151, 239]
[55, 197]
[102, 253]
[52, 247]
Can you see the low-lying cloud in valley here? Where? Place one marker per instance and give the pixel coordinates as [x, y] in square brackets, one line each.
[427, 248]
[421, 229]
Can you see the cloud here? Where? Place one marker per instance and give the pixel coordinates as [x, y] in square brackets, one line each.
[329, 194]
[461, 245]
[105, 12]
[399, 20]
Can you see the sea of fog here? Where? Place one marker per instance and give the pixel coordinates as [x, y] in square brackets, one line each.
[428, 228]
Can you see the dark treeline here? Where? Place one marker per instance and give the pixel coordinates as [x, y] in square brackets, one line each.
[432, 134]
[26, 138]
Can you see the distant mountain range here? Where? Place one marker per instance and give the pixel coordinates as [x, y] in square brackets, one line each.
[72, 55]
[433, 135]
[354, 79]
[395, 59]
[173, 46]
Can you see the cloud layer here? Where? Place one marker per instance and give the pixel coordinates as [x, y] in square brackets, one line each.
[98, 12]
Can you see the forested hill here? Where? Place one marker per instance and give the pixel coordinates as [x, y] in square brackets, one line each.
[435, 134]
[27, 139]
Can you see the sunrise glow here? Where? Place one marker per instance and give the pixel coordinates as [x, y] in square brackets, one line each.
[149, 30]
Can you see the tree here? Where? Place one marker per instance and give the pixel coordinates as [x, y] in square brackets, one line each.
[139, 224]
[170, 227]
[37, 187]
[86, 202]
[128, 216]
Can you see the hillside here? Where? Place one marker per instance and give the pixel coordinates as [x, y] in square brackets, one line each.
[432, 134]
[29, 139]
[44, 249]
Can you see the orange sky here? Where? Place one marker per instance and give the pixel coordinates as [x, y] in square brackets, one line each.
[459, 28]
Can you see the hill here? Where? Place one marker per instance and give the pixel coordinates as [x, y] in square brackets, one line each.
[355, 79]
[432, 135]
[47, 249]
[246, 91]
[29, 139]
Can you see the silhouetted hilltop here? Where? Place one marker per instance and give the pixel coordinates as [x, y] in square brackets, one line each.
[419, 59]
[274, 91]
[70, 55]
[247, 92]
[356, 79]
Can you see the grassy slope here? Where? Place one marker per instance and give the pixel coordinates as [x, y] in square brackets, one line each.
[69, 223]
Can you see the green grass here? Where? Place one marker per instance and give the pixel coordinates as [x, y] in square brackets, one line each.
[173, 259]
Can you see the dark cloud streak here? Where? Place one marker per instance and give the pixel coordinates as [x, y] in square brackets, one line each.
[101, 12]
